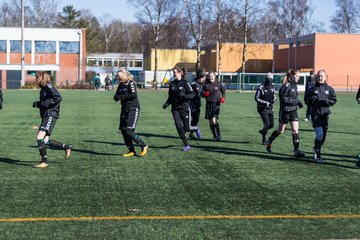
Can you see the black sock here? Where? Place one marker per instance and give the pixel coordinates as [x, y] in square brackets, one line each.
[42, 150]
[296, 141]
[56, 144]
[274, 135]
[212, 127]
[217, 129]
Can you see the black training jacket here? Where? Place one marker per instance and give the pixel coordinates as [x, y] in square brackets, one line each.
[50, 100]
[288, 96]
[126, 93]
[196, 87]
[320, 97]
[265, 97]
[180, 93]
[216, 91]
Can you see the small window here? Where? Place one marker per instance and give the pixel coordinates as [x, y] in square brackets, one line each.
[138, 63]
[45, 46]
[107, 62]
[15, 46]
[91, 62]
[122, 63]
[2, 45]
[69, 47]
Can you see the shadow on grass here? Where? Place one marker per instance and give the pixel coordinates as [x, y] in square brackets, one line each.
[86, 151]
[329, 131]
[15, 162]
[191, 139]
[280, 156]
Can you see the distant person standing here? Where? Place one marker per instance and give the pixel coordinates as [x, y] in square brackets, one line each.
[107, 82]
[310, 81]
[196, 85]
[320, 98]
[214, 93]
[49, 106]
[289, 104]
[179, 95]
[265, 98]
[97, 81]
[358, 101]
[126, 93]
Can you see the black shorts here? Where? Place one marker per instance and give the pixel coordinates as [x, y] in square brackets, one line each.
[286, 117]
[212, 110]
[320, 120]
[47, 125]
[129, 118]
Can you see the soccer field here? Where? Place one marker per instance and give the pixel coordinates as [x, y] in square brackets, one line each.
[231, 189]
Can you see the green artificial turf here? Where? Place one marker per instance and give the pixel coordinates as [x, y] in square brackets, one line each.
[234, 177]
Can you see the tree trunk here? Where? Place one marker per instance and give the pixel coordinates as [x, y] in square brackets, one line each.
[246, 8]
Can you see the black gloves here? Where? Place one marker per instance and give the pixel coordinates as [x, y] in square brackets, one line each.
[36, 104]
[117, 98]
[165, 105]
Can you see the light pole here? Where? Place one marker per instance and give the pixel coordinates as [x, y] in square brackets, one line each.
[80, 58]
[22, 46]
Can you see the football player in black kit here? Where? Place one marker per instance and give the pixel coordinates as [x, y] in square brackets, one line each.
[289, 103]
[49, 106]
[214, 92]
[126, 93]
[320, 97]
[1, 99]
[265, 98]
[196, 85]
[180, 93]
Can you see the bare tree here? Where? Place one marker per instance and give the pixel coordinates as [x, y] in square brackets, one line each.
[346, 18]
[43, 12]
[10, 13]
[219, 20]
[292, 17]
[249, 12]
[155, 13]
[108, 29]
[195, 12]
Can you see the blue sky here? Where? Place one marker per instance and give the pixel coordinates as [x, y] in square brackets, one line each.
[119, 9]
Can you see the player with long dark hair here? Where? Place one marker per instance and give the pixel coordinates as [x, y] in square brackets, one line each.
[180, 93]
[289, 104]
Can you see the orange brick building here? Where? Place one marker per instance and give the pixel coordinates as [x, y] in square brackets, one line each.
[62, 52]
[338, 54]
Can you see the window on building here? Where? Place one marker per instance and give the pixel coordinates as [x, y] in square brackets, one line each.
[122, 63]
[69, 47]
[45, 46]
[138, 63]
[91, 62]
[15, 46]
[2, 45]
[107, 62]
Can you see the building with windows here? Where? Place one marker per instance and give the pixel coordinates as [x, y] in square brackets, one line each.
[108, 61]
[60, 51]
[338, 54]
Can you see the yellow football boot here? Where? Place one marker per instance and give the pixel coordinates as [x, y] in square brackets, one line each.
[144, 151]
[129, 154]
